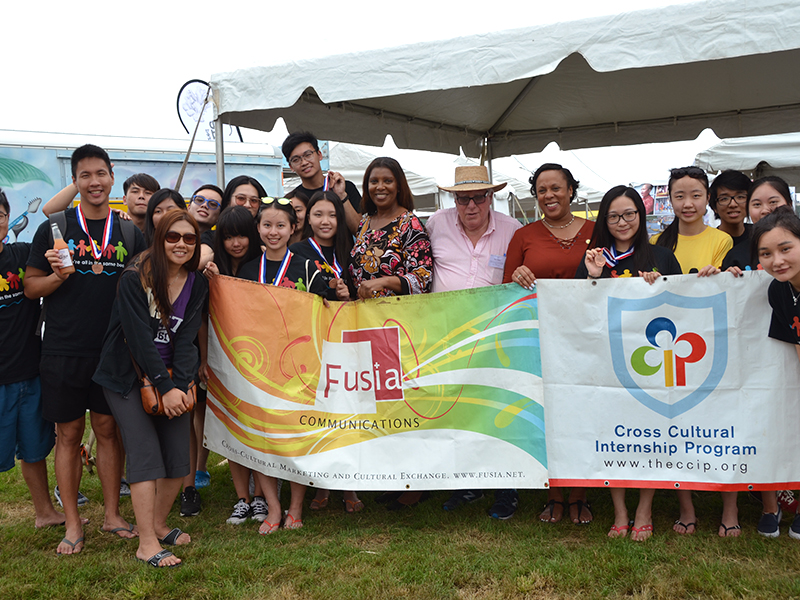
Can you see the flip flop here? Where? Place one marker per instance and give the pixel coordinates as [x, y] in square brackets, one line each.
[353, 506]
[73, 544]
[552, 505]
[686, 527]
[643, 528]
[319, 504]
[622, 530]
[266, 527]
[157, 558]
[581, 505]
[171, 539]
[289, 522]
[116, 531]
[731, 528]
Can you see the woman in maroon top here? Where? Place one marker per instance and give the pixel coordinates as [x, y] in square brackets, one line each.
[552, 248]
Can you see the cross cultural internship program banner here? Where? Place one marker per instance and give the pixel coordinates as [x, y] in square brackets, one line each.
[433, 391]
[667, 386]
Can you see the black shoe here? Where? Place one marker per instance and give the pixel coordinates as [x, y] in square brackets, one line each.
[461, 497]
[505, 504]
[190, 502]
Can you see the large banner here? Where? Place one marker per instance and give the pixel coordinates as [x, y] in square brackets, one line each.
[437, 391]
[667, 386]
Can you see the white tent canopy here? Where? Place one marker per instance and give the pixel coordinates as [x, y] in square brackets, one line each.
[653, 75]
[757, 156]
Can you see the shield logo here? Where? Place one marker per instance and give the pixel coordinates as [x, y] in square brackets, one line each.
[669, 352]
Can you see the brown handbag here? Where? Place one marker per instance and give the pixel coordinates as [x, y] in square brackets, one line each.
[152, 402]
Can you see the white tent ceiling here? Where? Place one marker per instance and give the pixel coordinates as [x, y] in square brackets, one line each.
[756, 156]
[648, 76]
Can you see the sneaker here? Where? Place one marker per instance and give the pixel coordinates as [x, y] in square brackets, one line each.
[81, 498]
[769, 524]
[461, 497]
[794, 530]
[124, 489]
[201, 479]
[258, 509]
[240, 514]
[505, 504]
[787, 501]
[190, 502]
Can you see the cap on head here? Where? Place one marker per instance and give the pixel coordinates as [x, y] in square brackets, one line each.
[471, 179]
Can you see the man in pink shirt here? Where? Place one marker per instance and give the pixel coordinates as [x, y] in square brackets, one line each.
[469, 241]
[469, 245]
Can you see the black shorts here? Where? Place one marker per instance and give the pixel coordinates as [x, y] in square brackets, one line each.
[68, 390]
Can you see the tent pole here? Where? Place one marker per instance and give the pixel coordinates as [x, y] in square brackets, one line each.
[220, 152]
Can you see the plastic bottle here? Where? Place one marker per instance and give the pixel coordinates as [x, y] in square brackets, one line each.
[63, 250]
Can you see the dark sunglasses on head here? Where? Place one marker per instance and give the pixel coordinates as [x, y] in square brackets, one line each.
[173, 237]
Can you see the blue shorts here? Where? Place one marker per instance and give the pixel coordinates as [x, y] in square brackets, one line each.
[22, 429]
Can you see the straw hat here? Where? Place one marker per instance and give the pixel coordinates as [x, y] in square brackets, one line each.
[470, 179]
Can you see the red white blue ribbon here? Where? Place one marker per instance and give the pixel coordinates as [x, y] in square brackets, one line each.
[97, 251]
[612, 257]
[336, 267]
[262, 276]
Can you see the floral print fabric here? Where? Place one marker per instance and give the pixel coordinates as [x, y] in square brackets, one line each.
[401, 248]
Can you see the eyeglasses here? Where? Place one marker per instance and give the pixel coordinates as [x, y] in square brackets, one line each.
[628, 217]
[3, 217]
[173, 237]
[241, 200]
[478, 200]
[298, 158]
[270, 200]
[200, 200]
[726, 200]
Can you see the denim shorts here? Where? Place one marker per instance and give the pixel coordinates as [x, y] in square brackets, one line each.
[22, 429]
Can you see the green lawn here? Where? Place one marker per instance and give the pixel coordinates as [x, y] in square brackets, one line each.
[420, 553]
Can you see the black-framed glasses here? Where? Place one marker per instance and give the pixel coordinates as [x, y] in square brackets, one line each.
[479, 199]
[298, 158]
[726, 200]
[270, 200]
[200, 200]
[3, 217]
[173, 237]
[628, 216]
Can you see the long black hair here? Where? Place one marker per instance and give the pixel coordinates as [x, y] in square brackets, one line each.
[343, 242]
[643, 256]
[669, 237]
[235, 221]
[156, 199]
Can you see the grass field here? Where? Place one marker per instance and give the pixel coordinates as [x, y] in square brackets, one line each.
[419, 553]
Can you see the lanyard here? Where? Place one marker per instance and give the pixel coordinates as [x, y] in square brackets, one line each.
[262, 275]
[336, 268]
[97, 251]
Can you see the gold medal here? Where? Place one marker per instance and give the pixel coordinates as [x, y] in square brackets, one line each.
[97, 268]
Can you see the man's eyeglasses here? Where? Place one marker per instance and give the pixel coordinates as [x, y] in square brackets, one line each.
[627, 216]
[173, 237]
[3, 217]
[478, 200]
[726, 200]
[200, 200]
[298, 158]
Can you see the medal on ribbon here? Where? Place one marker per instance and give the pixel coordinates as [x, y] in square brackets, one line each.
[97, 251]
[336, 267]
[612, 257]
[262, 275]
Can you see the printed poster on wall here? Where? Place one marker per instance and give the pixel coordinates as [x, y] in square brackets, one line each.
[436, 391]
[667, 386]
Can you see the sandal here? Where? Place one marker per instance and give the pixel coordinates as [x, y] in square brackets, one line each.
[154, 560]
[289, 522]
[685, 526]
[72, 544]
[621, 531]
[353, 506]
[319, 504]
[171, 539]
[266, 527]
[642, 529]
[552, 505]
[581, 505]
[731, 528]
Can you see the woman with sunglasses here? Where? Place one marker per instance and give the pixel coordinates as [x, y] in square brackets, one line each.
[244, 191]
[619, 248]
[155, 319]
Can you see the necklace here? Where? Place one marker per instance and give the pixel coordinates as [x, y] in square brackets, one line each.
[794, 298]
[558, 226]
